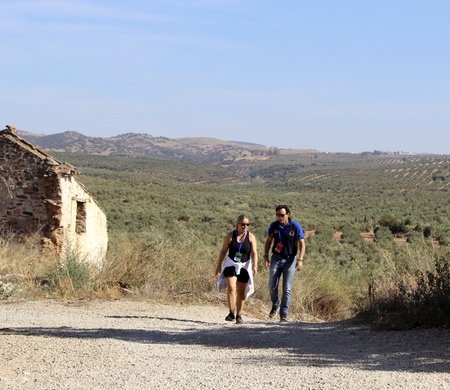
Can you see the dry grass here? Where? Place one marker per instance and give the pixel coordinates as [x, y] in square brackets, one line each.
[151, 266]
[161, 265]
[176, 266]
[21, 265]
[394, 286]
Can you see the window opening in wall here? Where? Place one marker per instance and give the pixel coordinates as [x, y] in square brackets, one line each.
[81, 218]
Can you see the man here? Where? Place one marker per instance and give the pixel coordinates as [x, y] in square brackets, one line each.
[288, 251]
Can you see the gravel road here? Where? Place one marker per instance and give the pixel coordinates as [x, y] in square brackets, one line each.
[140, 345]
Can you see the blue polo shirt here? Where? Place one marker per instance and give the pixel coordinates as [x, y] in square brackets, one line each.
[287, 236]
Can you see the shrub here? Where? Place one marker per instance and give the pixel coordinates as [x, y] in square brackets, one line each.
[429, 302]
[68, 275]
[383, 236]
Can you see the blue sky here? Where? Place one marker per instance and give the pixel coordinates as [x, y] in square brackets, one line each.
[330, 75]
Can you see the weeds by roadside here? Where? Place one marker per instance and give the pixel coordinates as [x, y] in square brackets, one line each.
[408, 289]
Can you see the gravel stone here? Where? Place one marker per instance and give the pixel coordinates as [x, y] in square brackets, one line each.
[141, 345]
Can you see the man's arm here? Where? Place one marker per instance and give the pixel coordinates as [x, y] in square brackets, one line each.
[267, 245]
[300, 252]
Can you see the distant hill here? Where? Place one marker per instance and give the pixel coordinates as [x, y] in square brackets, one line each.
[201, 149]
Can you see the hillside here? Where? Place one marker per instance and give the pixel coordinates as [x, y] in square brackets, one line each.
[300, 168]
[206, 150]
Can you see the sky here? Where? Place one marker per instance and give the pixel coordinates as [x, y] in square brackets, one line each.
[329, 75]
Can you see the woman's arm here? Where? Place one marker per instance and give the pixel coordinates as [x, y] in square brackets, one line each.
[254, 253]
[223, 252]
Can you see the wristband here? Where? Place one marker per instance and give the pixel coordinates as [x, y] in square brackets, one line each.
[266, 256]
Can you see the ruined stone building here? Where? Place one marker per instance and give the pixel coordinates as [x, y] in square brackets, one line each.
[40, 195]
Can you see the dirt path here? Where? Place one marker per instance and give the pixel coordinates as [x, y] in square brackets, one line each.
[136, 345]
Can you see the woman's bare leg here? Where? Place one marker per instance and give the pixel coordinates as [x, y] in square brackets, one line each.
[240, 296]
[231, 293]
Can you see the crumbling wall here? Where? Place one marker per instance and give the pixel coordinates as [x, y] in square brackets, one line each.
[41, 195]
[84, 222]
[29, 191]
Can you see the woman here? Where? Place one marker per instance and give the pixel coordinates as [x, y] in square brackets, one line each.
[237, 275]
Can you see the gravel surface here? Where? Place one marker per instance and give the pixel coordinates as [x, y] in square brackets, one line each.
[139, 345]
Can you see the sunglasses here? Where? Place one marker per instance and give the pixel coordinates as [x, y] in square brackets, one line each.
[280, 215]
[245, 224]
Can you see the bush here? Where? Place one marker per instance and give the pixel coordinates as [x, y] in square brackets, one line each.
[68, 275]
[383, 236]
[429, 302]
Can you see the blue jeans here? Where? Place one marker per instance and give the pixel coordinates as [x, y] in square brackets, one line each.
[285, 267]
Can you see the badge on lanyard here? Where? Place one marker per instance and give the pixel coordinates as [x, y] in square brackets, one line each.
[237, 257]
[279, 247]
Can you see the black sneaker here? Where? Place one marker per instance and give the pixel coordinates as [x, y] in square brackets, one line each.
[273, 312]
[239, 319]
[229, 317]
[283, 318]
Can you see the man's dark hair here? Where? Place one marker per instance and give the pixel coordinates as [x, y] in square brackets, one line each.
[283, 206]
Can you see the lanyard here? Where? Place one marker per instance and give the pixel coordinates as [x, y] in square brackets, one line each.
[284, 231]
[239, 244]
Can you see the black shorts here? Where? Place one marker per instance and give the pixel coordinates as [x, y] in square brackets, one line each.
[243, 276]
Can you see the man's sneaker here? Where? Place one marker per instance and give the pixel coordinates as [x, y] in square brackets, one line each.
[229, 317]
[239, 319]
[273, 312]
[283, 318]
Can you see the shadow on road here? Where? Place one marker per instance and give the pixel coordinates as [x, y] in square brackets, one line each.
[296, 343]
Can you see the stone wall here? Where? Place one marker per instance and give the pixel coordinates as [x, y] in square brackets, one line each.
[41, 195]
[26, 185]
